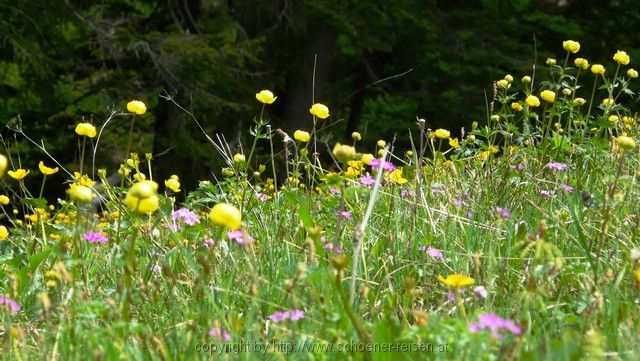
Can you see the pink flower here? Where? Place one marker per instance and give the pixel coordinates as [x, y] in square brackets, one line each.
[345, 215]
[480, 292]
[556, 166]
[494, 323]
[378, 163]
[95, 237]
[433, 252]
[12, 305]
[220, 333]
[240, 237]
[366, 180]
[293, 315]
[504, 212]
[187, 216]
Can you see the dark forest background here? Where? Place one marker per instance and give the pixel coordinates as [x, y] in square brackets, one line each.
[62, 62]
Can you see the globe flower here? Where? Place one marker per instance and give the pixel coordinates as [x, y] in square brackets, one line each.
[46, 170]
[442, 133]
[526, 79]
[239, 158]
[367, 158]
[508, 78]
[502, 84]
[621, 57]
[579, 101]
[226, 215]
[454, 143]
[625, 142]
[18, 174]
[4, 163]
[4, 233]
[632, 73]
[608, 102]
[516, 106]
[319, 110]
[597, 69]
[396, 176]
[301, 136]
[86, 129]
[344, 153]
[551, 61]
[456, 280]
[173, 183]
[571, 46]
[80, 193]
[142, 197]
[4, 200]
[266, 97]
[136, 107]
[532, 101]
[381, 143]
[548, 96]
[356, 136]
[581, 63]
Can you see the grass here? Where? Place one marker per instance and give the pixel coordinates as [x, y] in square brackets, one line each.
[538, 209]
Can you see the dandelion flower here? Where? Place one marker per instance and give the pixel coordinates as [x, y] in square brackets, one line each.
[319, 110]
[136, 107]
[46, 170]
[86, 129]
[456, 280]
[226, 215]
[396, 177]
[266, 97]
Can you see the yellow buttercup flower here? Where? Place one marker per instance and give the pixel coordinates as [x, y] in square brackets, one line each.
[608, 102]
[597, 69]
[80, 193]
[454, 143]
[621, 57]
[625, 142]
[4, 200]
[532, 101]
[548, 96]
[4, 233]
[266, 97]
[86, 129]
[301, 136]
[442, 133]
[46, 170]
[173, 183]
[396, 176]
[456, 280]
[142, 197]
[136, 107]
[571, 46]
[18, 174]
[581, 63]
[632, 73]
[344, 153]
[516, 106]
[319, 110]
[4, 163]
[226, 215]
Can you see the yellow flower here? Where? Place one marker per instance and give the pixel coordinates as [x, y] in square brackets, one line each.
[502, 83]
[516, 106]
[136, 107]
[632, 73]
[572, 46]
[597, 69]
[356, 136]
[456, 280]
[173, 183]
[608, 102]
[18, 174]
[508, 78]
[526, 79]
[614, 119]
[621, 57]
[454, 143]
[344, 153]
[86, 130]
[442, 133]
[532, 101]
[4, 233]
[367, 158]
[226, 215]
[319, 110]
[239, 158]
[301, 136]
[636, 275]
[266, 97]
[4, 200]
[548, 96]
[625, 142]
[579, 101]
[80, 193]
[581, 63]
[46, 170]
[381, 143]
[83, 179]
[142, 197]
[4, 163]
[396, 176]
[551, 61]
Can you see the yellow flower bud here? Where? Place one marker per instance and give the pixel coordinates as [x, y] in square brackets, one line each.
[442, 133]
[266, 97]
[80, 193]
[632, 73]
[621, 57]
[239, 158]
[173, 183]
[381, 143]
[597, 69]
[301, 136]
[344, 153]
[581, 63]
[4, 200]
[516, 106]
[319, 110]
[548, 96]
[532, 101]
[625, 142]
[495, 118]
[226, 215]
[571, 46]
[502, 83]
[567, 91]
[579, 101]
[526, 79]
[86, 129]
[508, 78]
[551, 61]
[356, 136]
[608, 102]
[4, 233]
[4, 163]
[136, 107]
[142, 197]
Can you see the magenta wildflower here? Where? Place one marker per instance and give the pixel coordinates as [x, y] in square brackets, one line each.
[187, 216]
[262, 197]
[480, 292]
[556, 166]
[338, 250]
[519, 166]
[240, 237]
[459, 202]
[345, 215]
[433, 252]
[437, 191]
[504, 212]
[547, 193]
[334, 190]
[95, 237]
[494, 323]
[293, 315]
[220, 333]
[209, 242]
[567, 188]
[10, 304]
[328, 246]
[405, 193]
[451, 296]
[366, 180]
[379, 163]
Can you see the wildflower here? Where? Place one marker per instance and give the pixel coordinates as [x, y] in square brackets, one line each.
[456, 280]
[480, 292]
[18, 174]
[548, 96]
[343, 152]
[532, 101]
[265, 97]
[519, 166]
[334, 190]
[86, 129]
[494, 323]
[319, 110]
[4, 233]
[4, 200]
[502, 83]
[508, 78]
[516, 106]
[136, 107]
[579, 101]
[367, 180]
[556, 166]
[80, 193]
[344, 215]
[293, 315]
[4, 162]
[356, 136]
[581, 63]
[547, 193]
[188, 217]
[625, 142]
[217, 331]
[597, 69]
[301, 136]
[46, 170]
[240, 237]
[95, 237]
[208, 242]
[396, 177]
[454, 143]
[621, 57]
[226, 215]
[405, 193]
[635, 254]
[567, 188]
[442, 133]
[83, 180]
[608, 102]
[142, 197]
[262, 197]
[433, 252]
[632, 73]
[571, 46]
[173, 183]
[526, 79]
[381, 143]
[10, 304]
[378, 164]
[503, 212]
